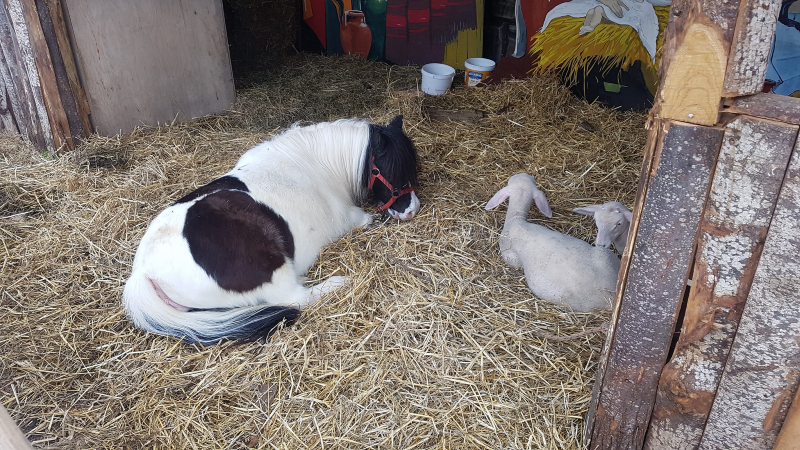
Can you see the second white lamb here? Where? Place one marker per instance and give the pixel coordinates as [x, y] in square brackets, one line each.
[558, 268]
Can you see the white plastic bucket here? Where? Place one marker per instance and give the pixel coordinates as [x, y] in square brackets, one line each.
[437, 78]
[477, 70]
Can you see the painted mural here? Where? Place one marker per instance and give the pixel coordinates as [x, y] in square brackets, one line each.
[783, 71]
[580, 34]
[399, 31]
[604, 49]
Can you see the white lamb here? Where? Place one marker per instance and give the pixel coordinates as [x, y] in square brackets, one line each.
[558, 268]
[613, 220]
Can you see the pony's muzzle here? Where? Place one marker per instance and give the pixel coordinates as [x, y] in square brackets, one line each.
[410, 211]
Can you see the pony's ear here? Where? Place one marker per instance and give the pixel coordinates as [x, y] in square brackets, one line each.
[397, 122]
[498, 198]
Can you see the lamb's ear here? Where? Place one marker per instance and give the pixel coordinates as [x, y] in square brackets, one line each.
[628, 215]
[397, 122]
[497, 198]
[541, 203]
[587, 210]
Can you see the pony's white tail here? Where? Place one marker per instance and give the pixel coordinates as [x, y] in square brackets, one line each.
[200, 326]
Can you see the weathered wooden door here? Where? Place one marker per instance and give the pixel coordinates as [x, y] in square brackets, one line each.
[718, 207]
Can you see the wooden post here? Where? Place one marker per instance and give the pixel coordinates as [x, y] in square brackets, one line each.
[54, 38]
[654, 139]
[763, 369]
[693, 60]
[779, 108]
[56, 12]
[11, 438]
[747, 179]
[26, 102]
[749, 56]
[42, 69]
[789, 437]
[645, 319]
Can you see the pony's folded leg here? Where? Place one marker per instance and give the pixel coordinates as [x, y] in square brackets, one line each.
[331, 284]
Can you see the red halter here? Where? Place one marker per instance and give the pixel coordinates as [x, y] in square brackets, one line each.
[376, 173]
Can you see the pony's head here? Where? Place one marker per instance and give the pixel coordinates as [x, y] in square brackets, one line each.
[390, 172]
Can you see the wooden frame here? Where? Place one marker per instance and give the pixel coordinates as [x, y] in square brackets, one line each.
[45, 102]
[723, 224]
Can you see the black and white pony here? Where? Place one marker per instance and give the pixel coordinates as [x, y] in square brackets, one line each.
[227, 260]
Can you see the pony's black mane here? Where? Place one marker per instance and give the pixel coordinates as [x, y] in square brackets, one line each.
[394, 154]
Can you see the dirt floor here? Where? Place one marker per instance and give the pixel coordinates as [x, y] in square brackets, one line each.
[436, 345]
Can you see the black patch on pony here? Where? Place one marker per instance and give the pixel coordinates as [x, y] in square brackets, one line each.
[226, 183]
[249, 327]
[238, 241]
[396, 158]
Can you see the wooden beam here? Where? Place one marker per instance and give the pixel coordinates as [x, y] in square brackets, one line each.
[747, 179]
[11, 438]
[768, 106]
[62, 79]
[7, 99]
[28, 110]
[645, 320]
[59, 24]
[654, 139]
[789, 437]
[43, 66]
[763, 369]
[694, 58]
[752, 43]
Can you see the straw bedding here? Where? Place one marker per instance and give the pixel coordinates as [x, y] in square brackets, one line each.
[434, 346]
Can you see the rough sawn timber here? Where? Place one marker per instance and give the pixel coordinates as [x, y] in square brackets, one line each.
[56, 12]
[29, 111]
[645, 321]
[768, 106]
[654, 140]
[43, 70]
[694, 58]
[763, 368]
[789, 437]
[747, 179]
[70, 111]
[752, 43]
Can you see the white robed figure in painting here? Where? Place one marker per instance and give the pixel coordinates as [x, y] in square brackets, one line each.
[638, 14]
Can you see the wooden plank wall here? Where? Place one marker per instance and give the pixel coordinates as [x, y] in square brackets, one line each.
[712, 50]
[748, 176]
[39, 76]
[72, 113]
[27, 101]
[151, 61]
[645, 318]
[763, 370]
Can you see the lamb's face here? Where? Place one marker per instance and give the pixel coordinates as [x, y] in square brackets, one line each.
[612, 222]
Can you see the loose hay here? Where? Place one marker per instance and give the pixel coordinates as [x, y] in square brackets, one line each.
[433, 346]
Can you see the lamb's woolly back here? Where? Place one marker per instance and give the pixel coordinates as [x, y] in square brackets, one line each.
[558, 267]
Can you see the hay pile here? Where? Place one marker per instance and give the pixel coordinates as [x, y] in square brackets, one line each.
[435, 345]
